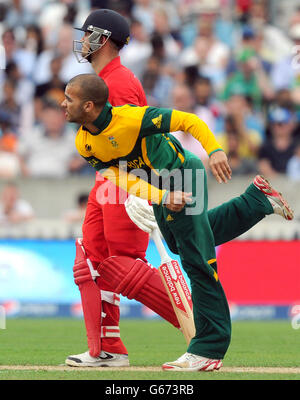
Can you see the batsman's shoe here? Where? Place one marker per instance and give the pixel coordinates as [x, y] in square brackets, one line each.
[279, 204]
[192, 362]
[104, 360]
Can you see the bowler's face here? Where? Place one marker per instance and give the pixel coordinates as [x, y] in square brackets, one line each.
[72, 105]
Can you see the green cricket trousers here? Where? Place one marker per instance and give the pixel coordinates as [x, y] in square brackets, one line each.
[193, 233]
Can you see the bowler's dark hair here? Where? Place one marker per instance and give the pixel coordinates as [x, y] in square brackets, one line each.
[92, 88]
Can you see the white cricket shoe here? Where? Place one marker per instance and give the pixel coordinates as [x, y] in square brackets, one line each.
[104, 360]
[279, 204]
[192, 362]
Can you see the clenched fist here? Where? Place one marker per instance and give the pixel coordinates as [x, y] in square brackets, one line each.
[175, 201]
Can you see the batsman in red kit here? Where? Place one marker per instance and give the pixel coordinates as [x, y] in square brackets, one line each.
[107, 229]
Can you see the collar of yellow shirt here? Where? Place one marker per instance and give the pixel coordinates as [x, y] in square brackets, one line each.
[103, 119]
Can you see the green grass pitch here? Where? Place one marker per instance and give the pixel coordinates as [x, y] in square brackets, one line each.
[47, 342]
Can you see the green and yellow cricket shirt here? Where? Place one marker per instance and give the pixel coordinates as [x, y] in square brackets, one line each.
[132, 138]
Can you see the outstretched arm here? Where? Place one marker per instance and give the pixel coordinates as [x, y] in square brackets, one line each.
[160, 120]
[132, 184]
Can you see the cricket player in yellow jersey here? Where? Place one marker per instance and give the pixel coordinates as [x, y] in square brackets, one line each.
[132, 147]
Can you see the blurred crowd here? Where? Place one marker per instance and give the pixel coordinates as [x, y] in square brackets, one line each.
[234, 63]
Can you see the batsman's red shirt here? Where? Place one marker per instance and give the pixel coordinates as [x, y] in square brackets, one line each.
[124, 87]
[107, 229]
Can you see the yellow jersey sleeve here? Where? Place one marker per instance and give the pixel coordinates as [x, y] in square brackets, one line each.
[133, 184]
[190, 123]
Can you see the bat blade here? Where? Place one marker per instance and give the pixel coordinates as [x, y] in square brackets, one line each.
[180, 297]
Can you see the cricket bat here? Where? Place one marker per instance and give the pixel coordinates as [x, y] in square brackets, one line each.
[177, 289]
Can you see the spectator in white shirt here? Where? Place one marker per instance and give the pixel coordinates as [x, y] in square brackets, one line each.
[14, 209]
[209, 54]
[63, 47]
[49, 148]
[285, 72]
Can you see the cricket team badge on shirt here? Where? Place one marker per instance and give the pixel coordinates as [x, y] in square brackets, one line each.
[113, 141]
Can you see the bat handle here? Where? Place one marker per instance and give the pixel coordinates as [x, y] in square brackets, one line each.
[160, 246]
